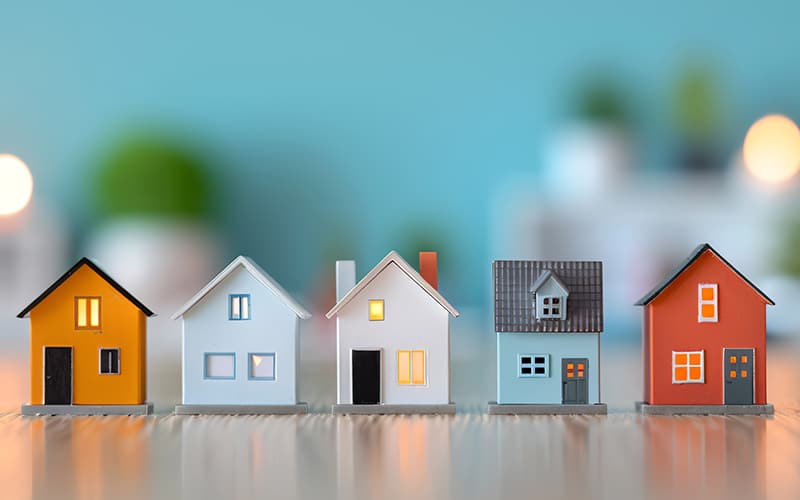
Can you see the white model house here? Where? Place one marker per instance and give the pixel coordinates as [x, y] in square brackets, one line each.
[392, 338]
[241, 344]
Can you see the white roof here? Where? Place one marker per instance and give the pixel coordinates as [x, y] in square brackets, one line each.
[392, 257]
[259, 274]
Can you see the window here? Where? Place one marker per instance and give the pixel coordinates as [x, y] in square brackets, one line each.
[87, 313]
[220, 365]
[376, 310]
[109, 361]
[688, 367]
[261, 366]
[239, 308]
[533, 365]
[549, 307]
[707, 303]
[411, 367]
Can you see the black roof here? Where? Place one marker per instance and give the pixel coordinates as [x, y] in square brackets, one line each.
[514, 309]
[85, 262]
[697, 252]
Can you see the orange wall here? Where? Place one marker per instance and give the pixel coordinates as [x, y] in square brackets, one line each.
[122, 325]
[673, 326]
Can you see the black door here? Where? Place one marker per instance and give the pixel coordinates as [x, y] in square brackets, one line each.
[574, 381]
[57, 375]
[738, 365]
[366, 377]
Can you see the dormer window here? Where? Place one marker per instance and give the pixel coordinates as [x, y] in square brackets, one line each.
[549, 296]
[549, 307]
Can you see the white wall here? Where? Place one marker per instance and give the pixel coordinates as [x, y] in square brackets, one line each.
[413, 320]
[272, 328]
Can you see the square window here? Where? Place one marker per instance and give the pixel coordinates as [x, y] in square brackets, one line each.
[220, 365]
[376, 309]
[109, 361]
[533, 365]
[239, 307]
[261, 366]
[688, 367]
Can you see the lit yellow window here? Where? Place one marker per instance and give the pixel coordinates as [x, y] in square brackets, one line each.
[376, 310]
[87, 312]
[707, 303]
[688, 367]
[411, 367]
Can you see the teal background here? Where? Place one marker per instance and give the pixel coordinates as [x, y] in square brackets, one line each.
[338, 129]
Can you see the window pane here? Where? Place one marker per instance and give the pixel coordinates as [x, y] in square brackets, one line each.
[81, 312]
[733, 360]
[245, 307]
[546, 300]
[219, 366]
[403, 367]
[418, 367]
[526, 370]
[262, 366]
[539, 370]
[680, 359]
[694, 359]
[526, 360]
[744, 358]
[680, 374]
[235, 307]
[376, 310]
[707, 293]
[94, 314]
[539, 360]
[555, 301]
[707, 310]
[733, 374]
[695, 373]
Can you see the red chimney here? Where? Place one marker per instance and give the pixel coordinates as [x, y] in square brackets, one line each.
[428, 268]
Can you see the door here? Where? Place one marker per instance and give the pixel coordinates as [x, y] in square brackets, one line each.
[574, 381]
[366, 377]
[57, 375]
[738, 365]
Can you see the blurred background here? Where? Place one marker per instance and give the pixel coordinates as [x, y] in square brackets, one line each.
[165, 139]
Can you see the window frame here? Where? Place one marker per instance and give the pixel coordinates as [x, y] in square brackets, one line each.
[240, 296]
[701, 302]
[540, 314]
[383, 309]
[533, 365]
[264, 355]
[205, 365]
[88, 299]
[688, 367]
[411, 382]
[100, 361]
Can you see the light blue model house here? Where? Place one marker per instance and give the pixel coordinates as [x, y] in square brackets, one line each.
[241, 345]
[548, 316]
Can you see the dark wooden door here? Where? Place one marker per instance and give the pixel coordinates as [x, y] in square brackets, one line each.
[575, 381]
[57, 375]
[366, 377]
[738, 365]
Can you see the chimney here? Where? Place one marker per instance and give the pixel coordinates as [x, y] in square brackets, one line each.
[345, 277]
[428, 268]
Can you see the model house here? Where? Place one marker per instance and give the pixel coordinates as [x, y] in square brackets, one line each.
[548, 316]
[392, 338]
[87, 338]
[241, 345]
[704, 336]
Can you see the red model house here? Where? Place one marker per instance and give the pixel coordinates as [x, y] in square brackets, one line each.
[704, 340]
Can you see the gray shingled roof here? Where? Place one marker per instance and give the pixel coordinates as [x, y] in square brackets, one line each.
[514, 310]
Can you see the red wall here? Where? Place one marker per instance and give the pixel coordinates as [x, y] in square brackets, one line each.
[673, 326]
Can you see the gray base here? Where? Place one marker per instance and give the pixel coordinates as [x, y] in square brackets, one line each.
[647, 409]
[33, 410]
[296, 409]
[422, 409]
[547, 409]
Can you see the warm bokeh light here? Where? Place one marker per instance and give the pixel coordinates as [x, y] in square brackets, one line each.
[16, 185]
[772, 149]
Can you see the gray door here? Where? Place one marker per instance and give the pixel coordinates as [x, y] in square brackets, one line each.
[574, 381]
[57, 375]
[738, 365]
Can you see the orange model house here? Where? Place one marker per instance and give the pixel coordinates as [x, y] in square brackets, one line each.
[88, 353]
[704, 340]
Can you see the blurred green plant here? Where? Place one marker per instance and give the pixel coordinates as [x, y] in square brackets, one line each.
[600, 100]
[695, 102]
[151, 174]
[788, 258]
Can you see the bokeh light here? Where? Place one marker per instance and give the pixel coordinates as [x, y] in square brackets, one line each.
[16, 185]
[772, 149]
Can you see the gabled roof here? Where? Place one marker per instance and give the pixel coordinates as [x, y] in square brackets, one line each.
[392, 258]
[256, 272]
[544, 277]
[94, 267]
[514, 285]
[697, 252]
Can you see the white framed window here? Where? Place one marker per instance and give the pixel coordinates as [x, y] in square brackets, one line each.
[109, 361]
[707, 303]
[376, 309]
[219, 366]
[688, 367]
[261, 366]
[533, 365]
[87, 313]
[239, 307]
[549, 306]
[411, 367]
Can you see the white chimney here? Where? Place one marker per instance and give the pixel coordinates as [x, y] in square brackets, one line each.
[345, 277]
